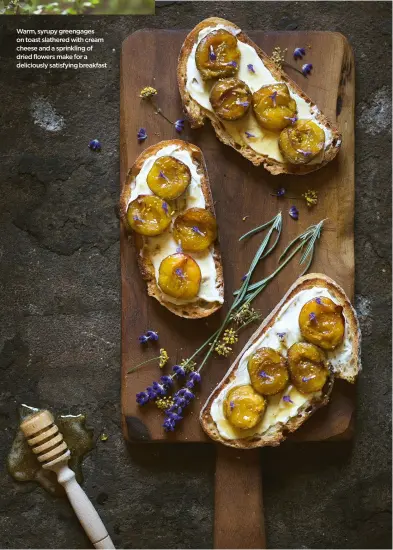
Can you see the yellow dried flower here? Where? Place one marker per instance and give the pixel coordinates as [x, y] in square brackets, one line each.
[188, 366]
[230, 336]
[246, 314]
[164, 403]
[311, 197]
[278, 56]
[164, 357]
[147, 92]
[223, 349]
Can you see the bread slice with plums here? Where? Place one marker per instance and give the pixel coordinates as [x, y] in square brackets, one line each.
[191, 310]
[196, 114]
[348, 371]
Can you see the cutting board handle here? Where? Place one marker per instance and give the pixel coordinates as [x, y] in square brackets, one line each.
[238, 513]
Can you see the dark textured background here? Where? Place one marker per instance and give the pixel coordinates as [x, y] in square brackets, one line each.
[60, 303]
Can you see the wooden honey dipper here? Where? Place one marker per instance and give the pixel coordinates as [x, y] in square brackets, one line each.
[47, 443]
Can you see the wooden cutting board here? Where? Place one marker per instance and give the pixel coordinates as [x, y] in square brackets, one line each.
[149, 58]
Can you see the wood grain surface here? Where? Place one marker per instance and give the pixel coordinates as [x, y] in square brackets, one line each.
[149, 58]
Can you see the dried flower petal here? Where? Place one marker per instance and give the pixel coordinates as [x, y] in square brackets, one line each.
[197, 231]
[179, 125]
[306, 69]
[250, 67]
[165, 207]
[281, 335]
[294, 212]
[273, 97]
[249, 134]
[312, 317]
[232, 63]
[212, 55]
[141, 135]
[298, 53]
[95, 145]
[319, 301]
[287, 399]
[280, 192]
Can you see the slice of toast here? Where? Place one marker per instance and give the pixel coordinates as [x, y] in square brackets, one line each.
[197, 114]
[193, 309]
[276, 433]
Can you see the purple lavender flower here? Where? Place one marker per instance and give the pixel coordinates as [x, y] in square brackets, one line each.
[273, 97]
[319, 301]
[167, 381]
[232, 63]
[231, 405]
[95, 145]
[197, 231]
[306, 69]
[186, 394]
[159, 389]
[249, 134]
[151, 393]
[281, 335]
[294, 212]
[212, 55]
[304, 152]
[293, 119]
[190, 384]
[165, 207]
[298, 53]
[287, 399]
[312, 317]
[308, 378]
[179, 125]
[142, 398]
[280, 192]
[141, 135]
[179, 272]
[195, 376]
[137, 218]
[179, 371]
[169, 424]
[244, 277]
[243, 103]
[150, 335]
[250, 67]
[179, 249]
[162, 175]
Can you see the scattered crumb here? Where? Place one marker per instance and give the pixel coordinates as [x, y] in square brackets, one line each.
[245, 217]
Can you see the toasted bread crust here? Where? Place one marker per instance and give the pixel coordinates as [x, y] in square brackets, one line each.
[192, 310]
[197, 114]
[277, 433]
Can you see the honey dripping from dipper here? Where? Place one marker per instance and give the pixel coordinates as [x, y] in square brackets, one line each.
[23, 464]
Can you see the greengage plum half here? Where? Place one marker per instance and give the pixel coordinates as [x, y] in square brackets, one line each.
[195, 229]
[179, 276]
[268, 371]
[168, 178]
[244, 407]
[274, 107]
[322, 323]
[301, 142]
[230, 98]
[217, 55]
[148, 215]
[307, 367]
